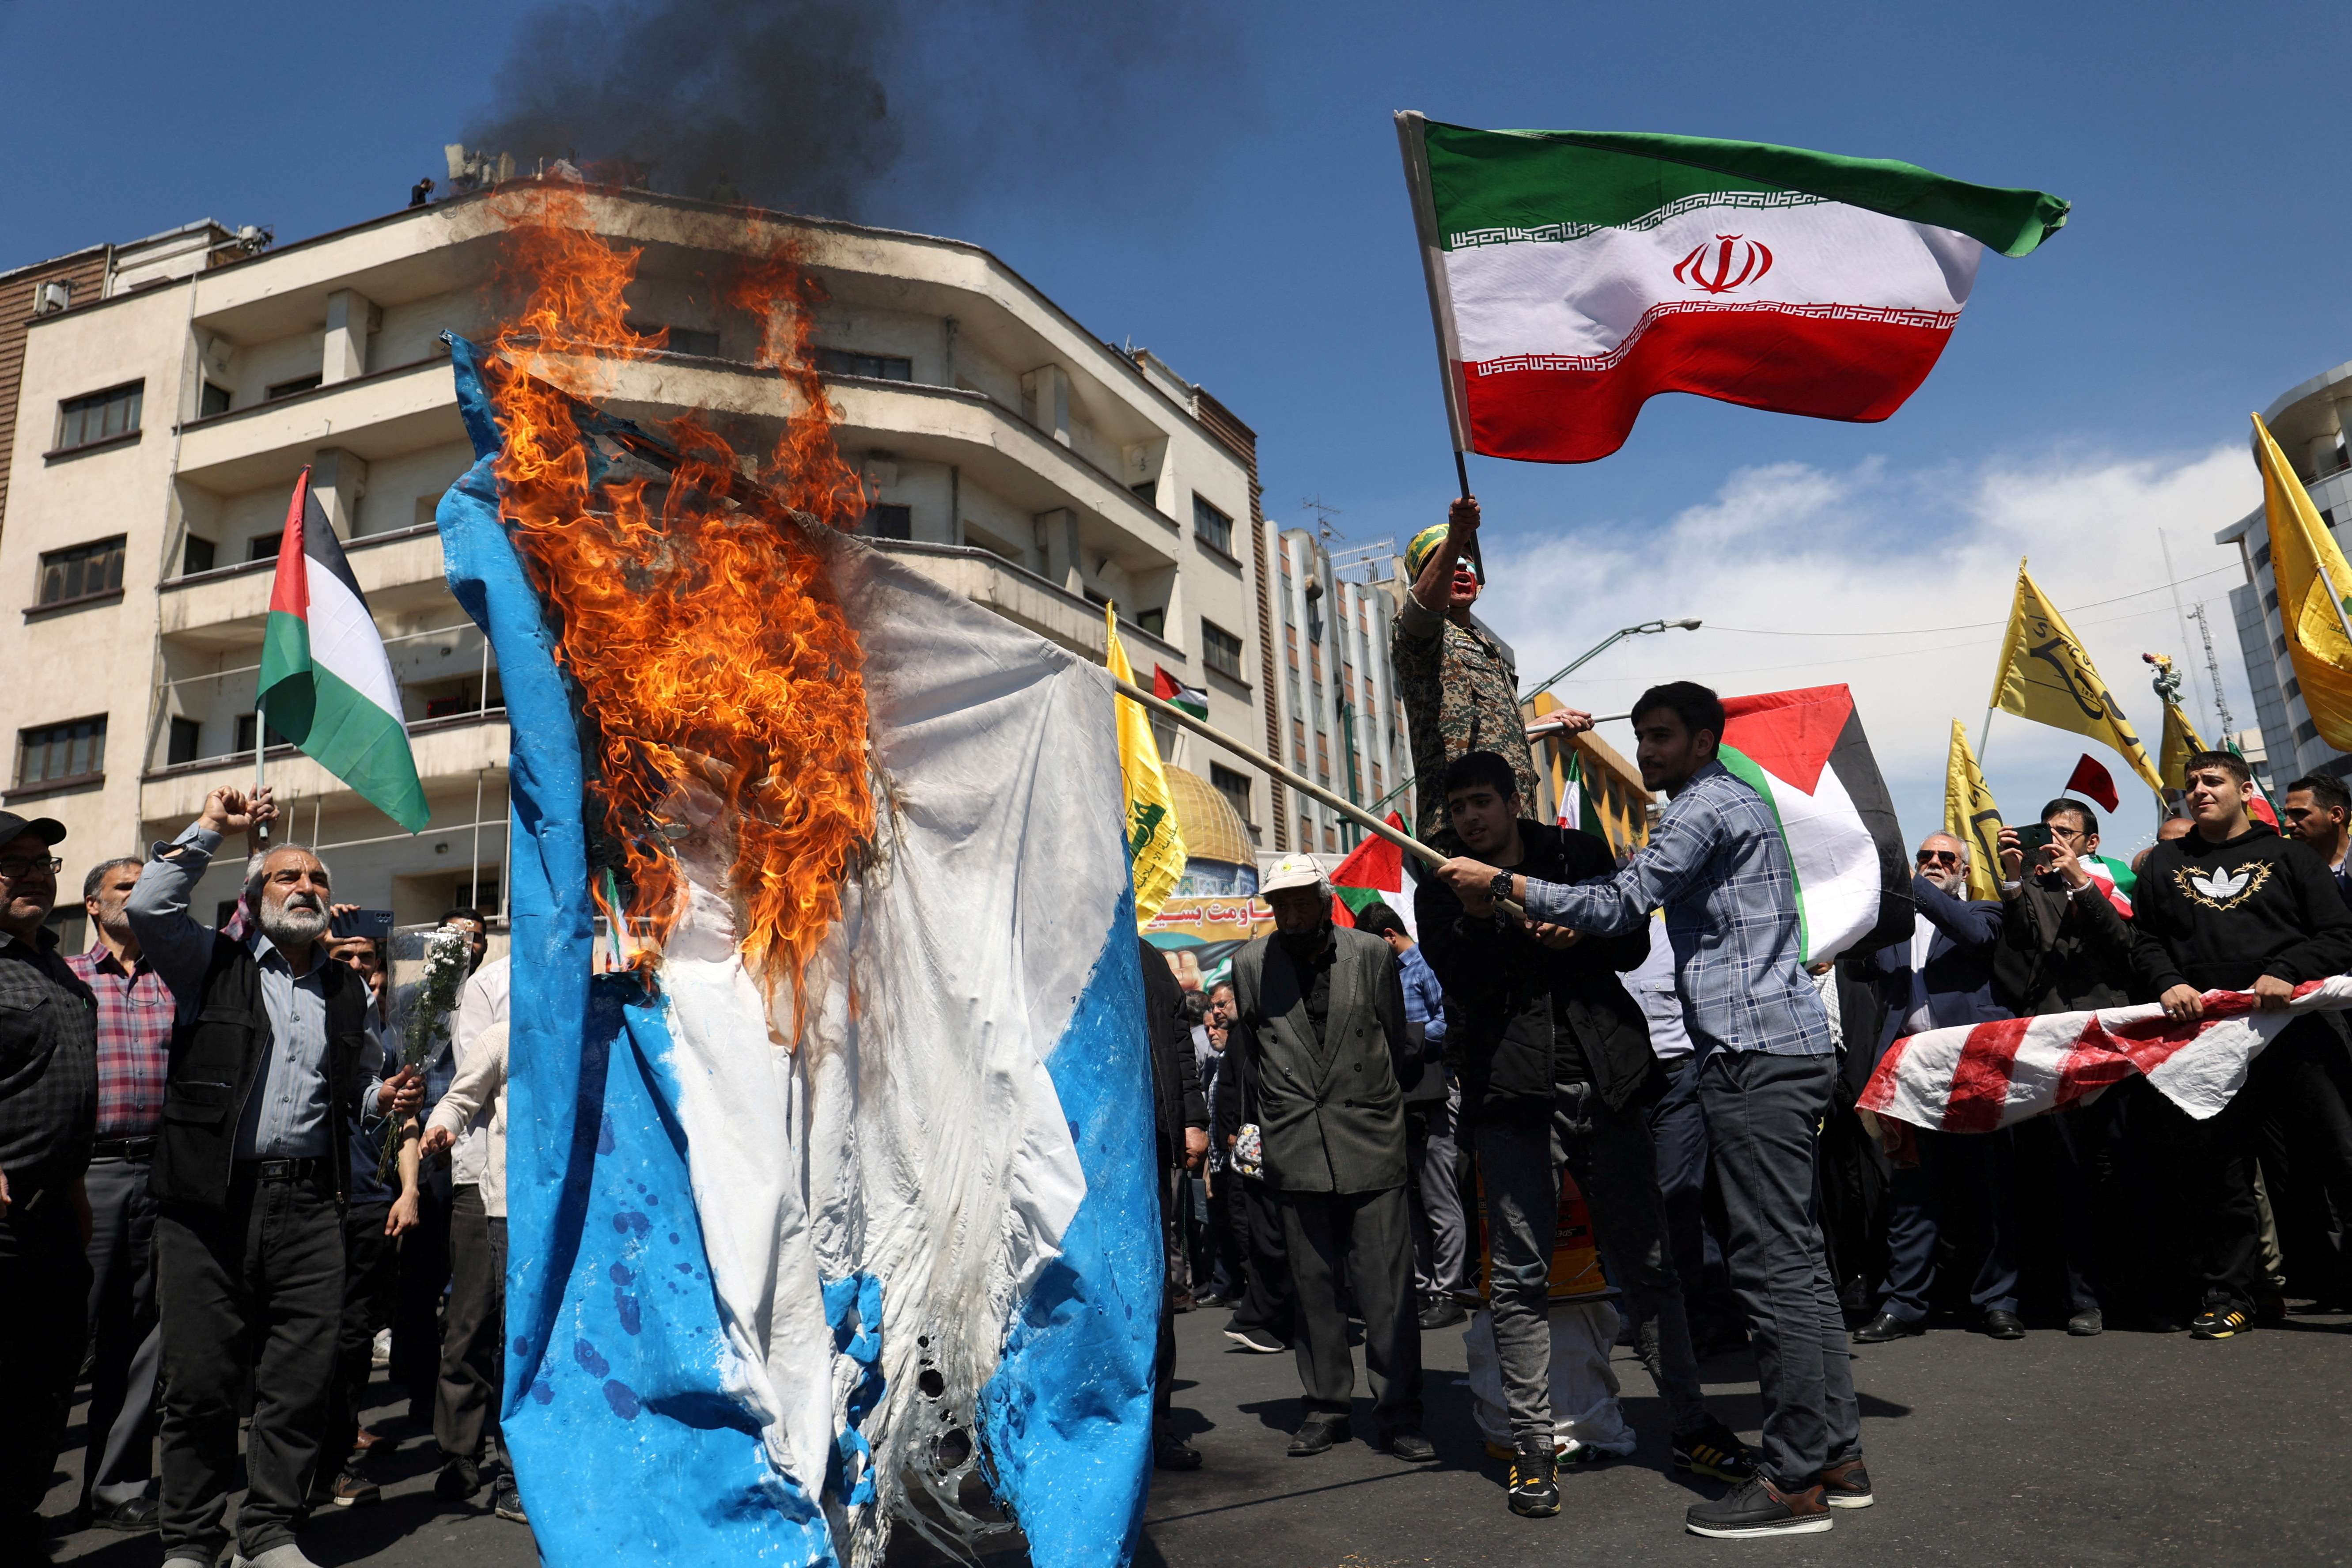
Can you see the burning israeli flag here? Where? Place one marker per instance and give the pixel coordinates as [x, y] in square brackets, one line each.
[833, 1209]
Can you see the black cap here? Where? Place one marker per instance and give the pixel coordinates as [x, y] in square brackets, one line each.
[48, 829]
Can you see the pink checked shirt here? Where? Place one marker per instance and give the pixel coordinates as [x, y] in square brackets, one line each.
[135, 1032]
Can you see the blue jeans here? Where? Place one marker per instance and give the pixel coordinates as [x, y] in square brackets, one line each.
[1678, 1133]
[1762, 1115]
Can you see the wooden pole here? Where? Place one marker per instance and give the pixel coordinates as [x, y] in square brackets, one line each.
[1362, 819]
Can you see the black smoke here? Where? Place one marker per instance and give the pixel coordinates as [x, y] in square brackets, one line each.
[870, 109]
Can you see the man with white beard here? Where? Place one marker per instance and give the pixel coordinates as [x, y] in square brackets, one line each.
[271, 1062]
[1942, 977]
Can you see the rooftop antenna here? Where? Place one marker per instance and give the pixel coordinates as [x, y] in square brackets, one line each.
[1323, 516]
[2213, 669]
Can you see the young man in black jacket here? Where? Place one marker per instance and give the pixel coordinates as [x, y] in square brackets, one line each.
[1556, 1069]
[2234, 907]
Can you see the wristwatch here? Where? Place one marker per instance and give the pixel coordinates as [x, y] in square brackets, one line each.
[1501, 888]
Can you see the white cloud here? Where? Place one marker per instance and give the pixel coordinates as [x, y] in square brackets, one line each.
[1791, 548]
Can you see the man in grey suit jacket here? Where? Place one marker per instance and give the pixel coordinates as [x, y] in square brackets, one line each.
[1320, 1020]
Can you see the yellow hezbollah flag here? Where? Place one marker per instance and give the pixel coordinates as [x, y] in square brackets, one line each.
[2313, 580]
[2044, 675]
[2180, 742]
[1971, 816]
[1155, 843]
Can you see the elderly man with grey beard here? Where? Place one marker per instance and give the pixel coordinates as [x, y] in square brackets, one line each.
[272, 1061]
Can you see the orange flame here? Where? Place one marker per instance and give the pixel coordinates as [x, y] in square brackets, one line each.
[707, 644]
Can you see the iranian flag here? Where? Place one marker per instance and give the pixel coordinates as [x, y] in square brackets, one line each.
[1376, 870]
[1805, 752]
[1574, 275]
[326, 683]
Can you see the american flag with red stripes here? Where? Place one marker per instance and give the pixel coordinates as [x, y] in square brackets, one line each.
[1983, 1077]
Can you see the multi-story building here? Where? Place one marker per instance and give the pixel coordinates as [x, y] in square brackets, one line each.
[163, 404]
[1342, 724]
[2310, 422]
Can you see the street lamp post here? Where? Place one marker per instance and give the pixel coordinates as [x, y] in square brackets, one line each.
[1603, 646]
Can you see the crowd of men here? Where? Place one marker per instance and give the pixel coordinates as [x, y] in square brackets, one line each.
[227, 1168]
[1395, 1137]
[218, 1194]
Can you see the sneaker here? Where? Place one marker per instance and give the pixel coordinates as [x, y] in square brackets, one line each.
[1714, 1449]
[2221, 1321]
[2088, 1322]
[1583, 1457]
[1256, 1340]
[506, 1501]
[1759, 1508]
[1845, 1485]
[1535, 1481]
[353, 1489]
[458, 1482]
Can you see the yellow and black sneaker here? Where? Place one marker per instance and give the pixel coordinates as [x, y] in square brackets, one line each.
[1535, 1481]
[2221, 1321]
[1714, 1449]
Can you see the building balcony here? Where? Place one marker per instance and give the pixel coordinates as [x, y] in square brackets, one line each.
[384, 414]
[399, 571]
[463, 746]
[1022, 597]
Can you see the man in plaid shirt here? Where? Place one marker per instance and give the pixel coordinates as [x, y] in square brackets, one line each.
[134, 1033]
[1767, 1062]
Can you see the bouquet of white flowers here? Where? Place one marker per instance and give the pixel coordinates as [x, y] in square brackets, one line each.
[446, 951]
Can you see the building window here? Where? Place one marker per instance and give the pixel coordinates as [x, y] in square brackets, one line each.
[2305, 733]
[196, 554]
[294, 388]
[101, 417]
[1380, 786]
[2270, 599]
[245, 734]
[1322, 757]
[873, 367]
[1153, 621]
[187, 737]
[884, 521]
[84, 569]
[1221, 651]
[1331, 839]
[1233, 786]
[2294, 687]
[1147, 492]
[56, 752]
[263, 546]
[1212, 527]
[212, 400]
[1298, 741]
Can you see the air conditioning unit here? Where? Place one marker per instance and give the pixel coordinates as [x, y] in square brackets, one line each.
[53, 295]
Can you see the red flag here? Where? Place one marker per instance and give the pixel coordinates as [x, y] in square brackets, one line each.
[2089, 778]
[2258, 809]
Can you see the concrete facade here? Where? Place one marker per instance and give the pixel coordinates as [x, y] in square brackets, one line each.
[2310, 423]
[1006, 451]
[1342, 724]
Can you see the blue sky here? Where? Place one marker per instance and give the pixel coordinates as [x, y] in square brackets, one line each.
[1230, 197]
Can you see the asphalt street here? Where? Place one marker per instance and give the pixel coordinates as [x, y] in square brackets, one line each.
[2130, 1449]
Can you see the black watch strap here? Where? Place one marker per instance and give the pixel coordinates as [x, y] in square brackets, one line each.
[1501, 886]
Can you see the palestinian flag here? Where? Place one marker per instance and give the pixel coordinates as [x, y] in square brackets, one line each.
[1167, 688]
[1804, 751]
[1574, 275]
[1377, 871]
[326, 683]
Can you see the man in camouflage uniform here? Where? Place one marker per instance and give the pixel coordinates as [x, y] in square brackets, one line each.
[1460, 689]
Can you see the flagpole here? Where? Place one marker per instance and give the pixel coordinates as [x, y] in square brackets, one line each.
[260, 776]
[1411, 142]
[1365, 819]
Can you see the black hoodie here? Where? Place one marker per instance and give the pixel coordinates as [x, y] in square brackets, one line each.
[2219, 915]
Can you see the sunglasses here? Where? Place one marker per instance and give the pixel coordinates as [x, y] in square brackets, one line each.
[1937, 857]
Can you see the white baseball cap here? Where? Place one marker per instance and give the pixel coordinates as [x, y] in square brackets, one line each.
[1291, 872]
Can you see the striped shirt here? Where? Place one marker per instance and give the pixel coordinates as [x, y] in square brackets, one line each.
[1717, 864]
[134, 1039]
